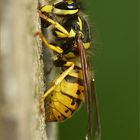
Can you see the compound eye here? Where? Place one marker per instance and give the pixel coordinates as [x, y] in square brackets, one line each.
[67, 6]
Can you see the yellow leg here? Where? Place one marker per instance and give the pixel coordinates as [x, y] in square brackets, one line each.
[62, 33]
[55, 23]
[50, 46]
[57, 82]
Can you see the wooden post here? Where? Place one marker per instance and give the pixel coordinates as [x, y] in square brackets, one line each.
[21, 72]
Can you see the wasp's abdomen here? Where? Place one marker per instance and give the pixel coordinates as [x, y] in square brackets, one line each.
[66, 98]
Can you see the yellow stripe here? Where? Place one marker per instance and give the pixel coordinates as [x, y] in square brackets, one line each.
[69, 1]
[57, 115]
[62, 109]
[79, 23]
[86, 45]
[71, 89]
[64, 12]
[70, 55]
[76, 74]
[65, 100]
[60, 34]
[47, 8]
[72, 33]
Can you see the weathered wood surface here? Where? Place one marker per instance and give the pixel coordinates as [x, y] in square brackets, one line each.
[21, 72]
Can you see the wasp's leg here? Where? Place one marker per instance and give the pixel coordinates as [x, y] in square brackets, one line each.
[57, 81]
[62, 33]
[48, 45]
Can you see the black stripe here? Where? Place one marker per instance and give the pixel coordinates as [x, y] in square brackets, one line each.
[59, 116]
[73, 99]
[72, 79]
[66, 6]
[77, 68]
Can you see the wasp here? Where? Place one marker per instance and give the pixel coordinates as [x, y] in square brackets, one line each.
[70, 41]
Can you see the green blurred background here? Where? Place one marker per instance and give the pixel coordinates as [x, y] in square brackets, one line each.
[115, 25]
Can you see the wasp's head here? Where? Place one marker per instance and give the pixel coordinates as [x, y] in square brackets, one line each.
[66, 7]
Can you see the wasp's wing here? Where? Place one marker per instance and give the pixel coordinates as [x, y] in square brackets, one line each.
[90, 95]
[97, 132]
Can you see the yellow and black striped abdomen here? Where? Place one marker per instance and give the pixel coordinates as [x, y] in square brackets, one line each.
[66, 98]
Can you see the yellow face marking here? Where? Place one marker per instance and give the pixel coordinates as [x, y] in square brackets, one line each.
[69, 1]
